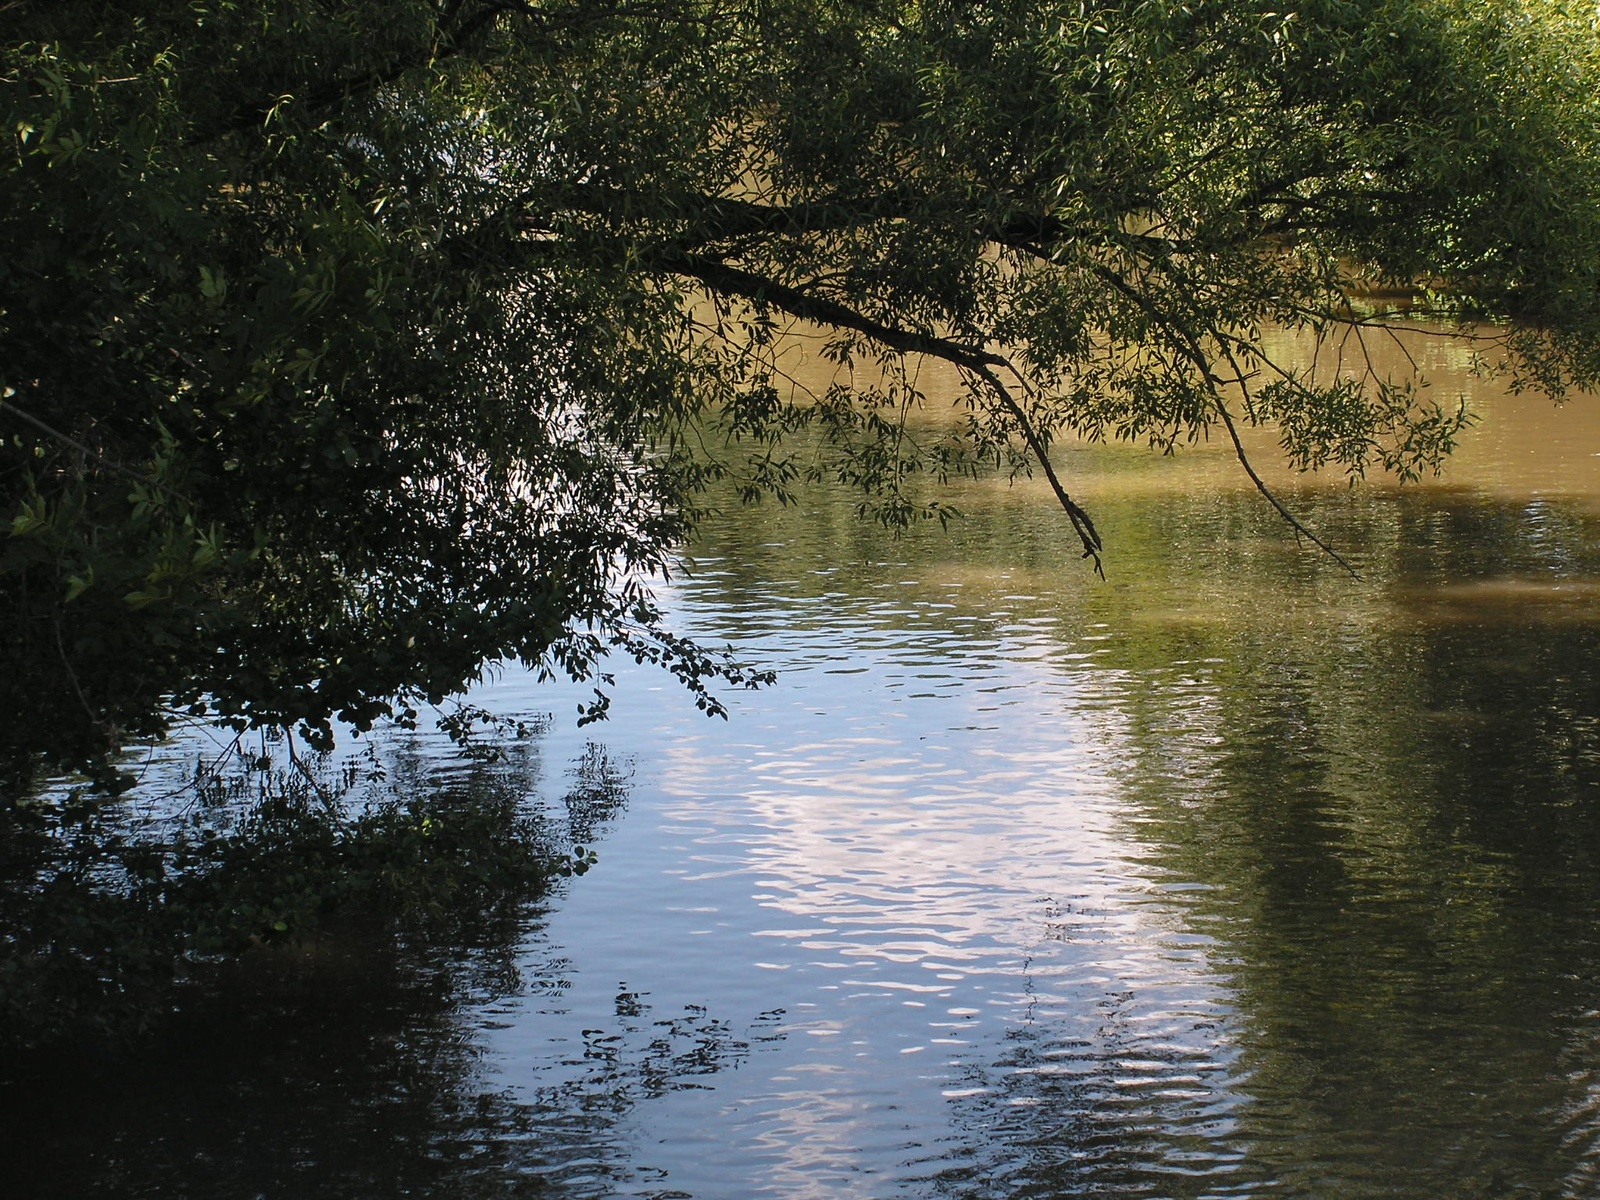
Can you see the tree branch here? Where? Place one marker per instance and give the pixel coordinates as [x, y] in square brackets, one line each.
[1082, 525]
[55, 433]
[1249, 468]
[733, 281]
[1188, 345]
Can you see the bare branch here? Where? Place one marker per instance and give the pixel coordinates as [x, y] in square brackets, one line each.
[1249, 468]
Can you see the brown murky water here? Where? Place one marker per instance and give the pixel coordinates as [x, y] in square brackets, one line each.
[1229, 876]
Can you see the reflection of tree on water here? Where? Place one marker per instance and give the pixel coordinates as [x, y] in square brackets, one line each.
[349, 1062]
[598, 794]
[349, 1078]
[1378, 809]
[1397, 826]
[1104, 1088]
[1370, 838]
[1405, 994]
[576, 1121]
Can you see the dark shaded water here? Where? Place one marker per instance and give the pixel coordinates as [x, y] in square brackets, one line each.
[1230, 876]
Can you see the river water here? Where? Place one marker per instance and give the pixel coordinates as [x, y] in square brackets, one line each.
[1228, 876]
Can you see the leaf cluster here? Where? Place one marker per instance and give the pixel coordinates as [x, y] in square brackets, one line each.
[349, 349]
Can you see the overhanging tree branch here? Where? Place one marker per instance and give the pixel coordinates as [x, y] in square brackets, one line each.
[1188, 345]
[1249, 468]
[1081, 523]
[732, 281]
[453, 34]
[75, 444]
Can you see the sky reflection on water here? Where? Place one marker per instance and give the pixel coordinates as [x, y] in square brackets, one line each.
[1230, 876]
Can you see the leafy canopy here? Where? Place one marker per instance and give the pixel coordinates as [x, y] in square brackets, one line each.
[348, 348]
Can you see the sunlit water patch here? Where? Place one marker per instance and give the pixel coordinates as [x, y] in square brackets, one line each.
[920, 861]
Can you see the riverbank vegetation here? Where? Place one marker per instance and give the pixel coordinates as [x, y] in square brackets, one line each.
[349, 349]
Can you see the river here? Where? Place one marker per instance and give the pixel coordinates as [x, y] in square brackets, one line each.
[1227, 876]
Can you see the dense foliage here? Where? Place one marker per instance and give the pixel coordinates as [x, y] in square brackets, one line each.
[347, 348]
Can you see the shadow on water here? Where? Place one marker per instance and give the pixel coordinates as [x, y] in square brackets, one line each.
[350, 1061]
[343, 1075]
[1379, 825]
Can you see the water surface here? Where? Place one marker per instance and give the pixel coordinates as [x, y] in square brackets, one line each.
[1228, 876]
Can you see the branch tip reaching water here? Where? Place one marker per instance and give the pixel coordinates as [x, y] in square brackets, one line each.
[1082, 524]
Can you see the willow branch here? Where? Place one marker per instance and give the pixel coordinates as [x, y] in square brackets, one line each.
[733, 281]
[980, 362]
[1188, 345]
[450, 39]
[1249, 468]
[1082, 525]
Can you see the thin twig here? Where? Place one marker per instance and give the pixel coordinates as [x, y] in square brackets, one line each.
[1189, 347]
[1082, 524]
[81, 448]
[327, 800]
[72, 676]
[1249, 468]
